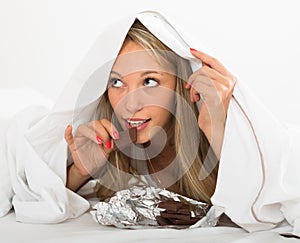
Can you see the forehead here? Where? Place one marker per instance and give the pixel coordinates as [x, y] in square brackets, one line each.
[133, 58]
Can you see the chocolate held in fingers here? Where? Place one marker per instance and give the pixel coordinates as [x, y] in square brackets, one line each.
[126, 139]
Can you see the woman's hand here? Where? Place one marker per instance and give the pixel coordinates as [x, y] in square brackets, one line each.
[90, 148]
[215, 85]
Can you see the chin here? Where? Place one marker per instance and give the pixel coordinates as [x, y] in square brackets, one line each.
[142, 140]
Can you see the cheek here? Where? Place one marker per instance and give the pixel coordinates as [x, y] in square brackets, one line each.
[161, 97]
[113, 98]
[162, 115]
[168, 103]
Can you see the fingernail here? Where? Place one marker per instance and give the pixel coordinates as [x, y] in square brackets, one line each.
[187, 85]
[192, 50]
[99, 140]
[108, 144]
[116, 135]
[69, 126]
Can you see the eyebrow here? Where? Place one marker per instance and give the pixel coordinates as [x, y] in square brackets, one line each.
[114, 72]
[142, 74]
[149, 72]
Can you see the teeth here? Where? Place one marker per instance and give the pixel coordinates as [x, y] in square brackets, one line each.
[135, 123]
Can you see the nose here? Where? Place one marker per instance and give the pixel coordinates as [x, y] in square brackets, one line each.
[133, 101]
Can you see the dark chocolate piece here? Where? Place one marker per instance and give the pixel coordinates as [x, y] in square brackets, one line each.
[133, 134]
[180, 211]
[170, 205]
[175, 216]
[162, 221]
[183, 222]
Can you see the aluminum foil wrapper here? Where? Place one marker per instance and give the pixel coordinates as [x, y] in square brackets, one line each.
[138, 207]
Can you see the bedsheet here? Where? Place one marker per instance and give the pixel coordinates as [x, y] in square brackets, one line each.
[85, 229]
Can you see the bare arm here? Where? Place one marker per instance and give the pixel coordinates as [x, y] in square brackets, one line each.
[75, 179]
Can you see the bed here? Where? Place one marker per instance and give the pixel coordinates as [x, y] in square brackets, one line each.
[85, 229]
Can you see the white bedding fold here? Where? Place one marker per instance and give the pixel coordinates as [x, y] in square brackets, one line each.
[259, 164]
[40, 194]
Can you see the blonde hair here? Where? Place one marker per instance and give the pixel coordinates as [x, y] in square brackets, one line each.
[189, 184]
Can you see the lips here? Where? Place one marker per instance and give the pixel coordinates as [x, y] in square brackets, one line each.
[136, 122]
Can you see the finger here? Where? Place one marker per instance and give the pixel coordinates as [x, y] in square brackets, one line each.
[89, 132]
[210, 75]
[108, 146]
[197, 81]
[213, 75]
[106, 130]
[200, 89]
[187, 85]
[203, 87]
[200, 73]
[194, 95]
[109, 127]
[193, 75]
[211, 61]
[68, 135]
[225, 81]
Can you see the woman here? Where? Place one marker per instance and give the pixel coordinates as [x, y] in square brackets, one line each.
[161, 69]
[251, 172]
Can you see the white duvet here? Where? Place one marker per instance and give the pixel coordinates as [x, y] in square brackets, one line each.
[258, 184]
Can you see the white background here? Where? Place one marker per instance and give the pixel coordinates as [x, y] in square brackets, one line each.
[42, 41]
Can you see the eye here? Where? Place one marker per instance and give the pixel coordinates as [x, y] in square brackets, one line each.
[150, 82]
[117, 83]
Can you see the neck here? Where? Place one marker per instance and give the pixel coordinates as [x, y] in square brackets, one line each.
[162, 169]
[163, 159]
[167, 154]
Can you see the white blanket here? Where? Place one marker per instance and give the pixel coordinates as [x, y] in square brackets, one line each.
[257, 186]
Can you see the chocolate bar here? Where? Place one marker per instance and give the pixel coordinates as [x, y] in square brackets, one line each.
[177, 213]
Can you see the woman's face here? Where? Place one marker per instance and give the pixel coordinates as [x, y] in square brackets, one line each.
[141, 91]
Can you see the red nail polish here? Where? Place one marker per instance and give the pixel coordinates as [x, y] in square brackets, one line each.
[193, 50]
[69, 126]
[108, 144]
[187, 85]
[116, 135]
[99, 140]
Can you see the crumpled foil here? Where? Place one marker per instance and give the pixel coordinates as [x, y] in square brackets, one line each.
[137, 207]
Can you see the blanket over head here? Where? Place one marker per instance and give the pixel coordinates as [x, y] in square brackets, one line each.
[257, 185]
